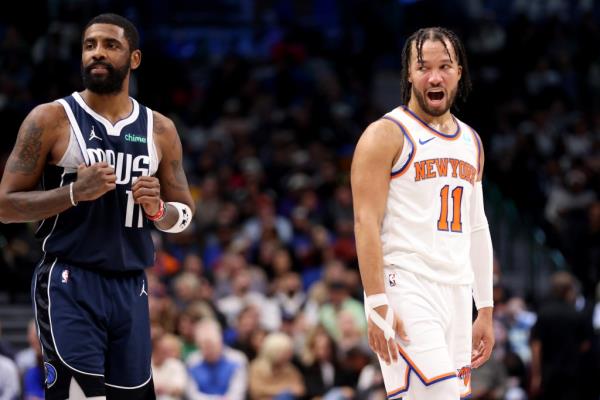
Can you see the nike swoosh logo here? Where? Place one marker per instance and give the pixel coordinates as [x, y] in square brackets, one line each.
[426, 141]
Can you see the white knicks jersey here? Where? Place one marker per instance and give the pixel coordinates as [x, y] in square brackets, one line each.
[426, 227]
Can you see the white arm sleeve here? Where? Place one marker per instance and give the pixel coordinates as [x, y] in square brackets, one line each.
[481, 252]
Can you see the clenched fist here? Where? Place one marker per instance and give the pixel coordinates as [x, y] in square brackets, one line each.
[146, 191]
[93, 181]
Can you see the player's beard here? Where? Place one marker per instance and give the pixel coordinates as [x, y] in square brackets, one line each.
[110, 83]
[434, 112]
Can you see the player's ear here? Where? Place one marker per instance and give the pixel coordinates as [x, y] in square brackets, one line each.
[459, 72]
[135, 59]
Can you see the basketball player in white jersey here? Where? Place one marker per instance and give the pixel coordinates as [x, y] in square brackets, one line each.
[423, 241]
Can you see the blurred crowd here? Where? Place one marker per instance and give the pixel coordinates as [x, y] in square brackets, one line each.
[261, 297]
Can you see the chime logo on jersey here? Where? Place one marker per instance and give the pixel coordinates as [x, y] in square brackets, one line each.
[126, 166]
[130, 137]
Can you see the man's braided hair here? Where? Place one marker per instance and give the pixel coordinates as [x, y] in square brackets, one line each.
[434, 34]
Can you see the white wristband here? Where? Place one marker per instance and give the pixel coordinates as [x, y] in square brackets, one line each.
[71, 194]
[377, 300]
[386, 325]
[184, 219]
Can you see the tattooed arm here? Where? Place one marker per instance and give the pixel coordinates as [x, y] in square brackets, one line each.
[38, 142]
[171, 184]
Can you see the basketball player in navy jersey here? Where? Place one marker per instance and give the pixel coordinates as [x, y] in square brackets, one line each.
[109, 169]
[422, 237]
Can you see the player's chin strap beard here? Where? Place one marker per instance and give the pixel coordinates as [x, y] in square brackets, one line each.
[386, 325]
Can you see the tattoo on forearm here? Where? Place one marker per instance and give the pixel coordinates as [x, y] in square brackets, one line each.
[37, 205]
[180, 181]
[21, 205]
[28, 150]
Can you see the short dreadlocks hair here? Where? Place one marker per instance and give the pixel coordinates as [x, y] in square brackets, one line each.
[434, 34]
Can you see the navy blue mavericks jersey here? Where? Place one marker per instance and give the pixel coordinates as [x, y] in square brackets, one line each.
[111, 232]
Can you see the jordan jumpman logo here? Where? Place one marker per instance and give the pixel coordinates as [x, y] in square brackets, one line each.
[93, 135]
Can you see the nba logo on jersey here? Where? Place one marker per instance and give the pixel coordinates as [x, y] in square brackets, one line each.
[392, 279]
[65, 276]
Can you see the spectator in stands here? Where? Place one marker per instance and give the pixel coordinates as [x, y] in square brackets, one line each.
[185, 330]
[242, 295]
[230, 266]
[186, 287]
[289, 294]
[168, 371]
[6, 348]
[370, 382]
[27, 358]
[216, 372]
[350, 334]
[559, 338]
[267, 219]
[34, 377]
[272, 374]
[241, 334]
[210, 202]
[340, 300]
[321, 369]
[10, 387]
[162, 308]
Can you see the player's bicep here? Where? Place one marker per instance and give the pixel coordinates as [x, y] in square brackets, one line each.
[170, 173]
[370, 174]
[25, 163]
[370, 185]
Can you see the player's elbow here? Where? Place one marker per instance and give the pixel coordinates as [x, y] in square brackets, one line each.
[363, 222]
[6, 217]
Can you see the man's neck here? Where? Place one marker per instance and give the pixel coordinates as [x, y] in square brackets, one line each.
[443, 123]
[113, 107]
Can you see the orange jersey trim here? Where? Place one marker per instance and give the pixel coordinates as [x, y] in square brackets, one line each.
[411, 365]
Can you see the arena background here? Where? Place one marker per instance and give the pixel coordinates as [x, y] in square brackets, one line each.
[269, 98]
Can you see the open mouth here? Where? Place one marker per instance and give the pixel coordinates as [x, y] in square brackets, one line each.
[435, 96]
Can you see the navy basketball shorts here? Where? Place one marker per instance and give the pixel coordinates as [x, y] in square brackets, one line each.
[94, 328]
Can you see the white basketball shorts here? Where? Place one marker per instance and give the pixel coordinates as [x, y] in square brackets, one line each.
[438, 321]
